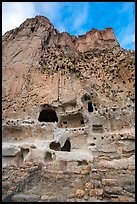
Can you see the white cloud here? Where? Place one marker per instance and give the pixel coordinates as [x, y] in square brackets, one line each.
[127, 36]
[128, 39]
[127, 7]
[72, 17]
[51, 9]
[14, 13]
[61, 28]
[81, 18]
[65, 16]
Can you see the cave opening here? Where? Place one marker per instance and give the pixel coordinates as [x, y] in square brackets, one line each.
[55, 146]
[48, 156]
[71, 121]
[67, 146]
[97, 128]
[32, 29]
[24, 152]
[48, 115]
[90, 107]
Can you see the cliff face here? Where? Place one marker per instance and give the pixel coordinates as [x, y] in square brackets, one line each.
[35, 34]
[25, 47]
[68, 104]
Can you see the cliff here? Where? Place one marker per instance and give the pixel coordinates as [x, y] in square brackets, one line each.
[68, 108]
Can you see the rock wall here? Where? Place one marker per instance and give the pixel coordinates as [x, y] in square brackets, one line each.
[68, 105]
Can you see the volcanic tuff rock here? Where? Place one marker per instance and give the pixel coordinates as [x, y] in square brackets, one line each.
[68, 109]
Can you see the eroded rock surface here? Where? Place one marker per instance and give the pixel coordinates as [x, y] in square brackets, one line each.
[68, 106]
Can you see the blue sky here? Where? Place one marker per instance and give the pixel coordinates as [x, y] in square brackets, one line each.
[76, 17]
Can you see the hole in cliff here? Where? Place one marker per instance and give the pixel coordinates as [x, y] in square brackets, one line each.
[86, 97]
[111, 60]
[83, 162]
[48, 156]
[92, 144]
[57, 67]
[97, 128]
[67, 146]
[24, 152]
[55, 146]
[82, 121]
[58, 46]
[71, 121]
[32, 29]
[90, 107]
[48, 115]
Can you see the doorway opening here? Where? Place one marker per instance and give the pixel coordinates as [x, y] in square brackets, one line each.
[67, 146]
[90, 107]
[48, 114]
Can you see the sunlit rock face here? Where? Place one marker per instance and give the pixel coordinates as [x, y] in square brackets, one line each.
[69, 105]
